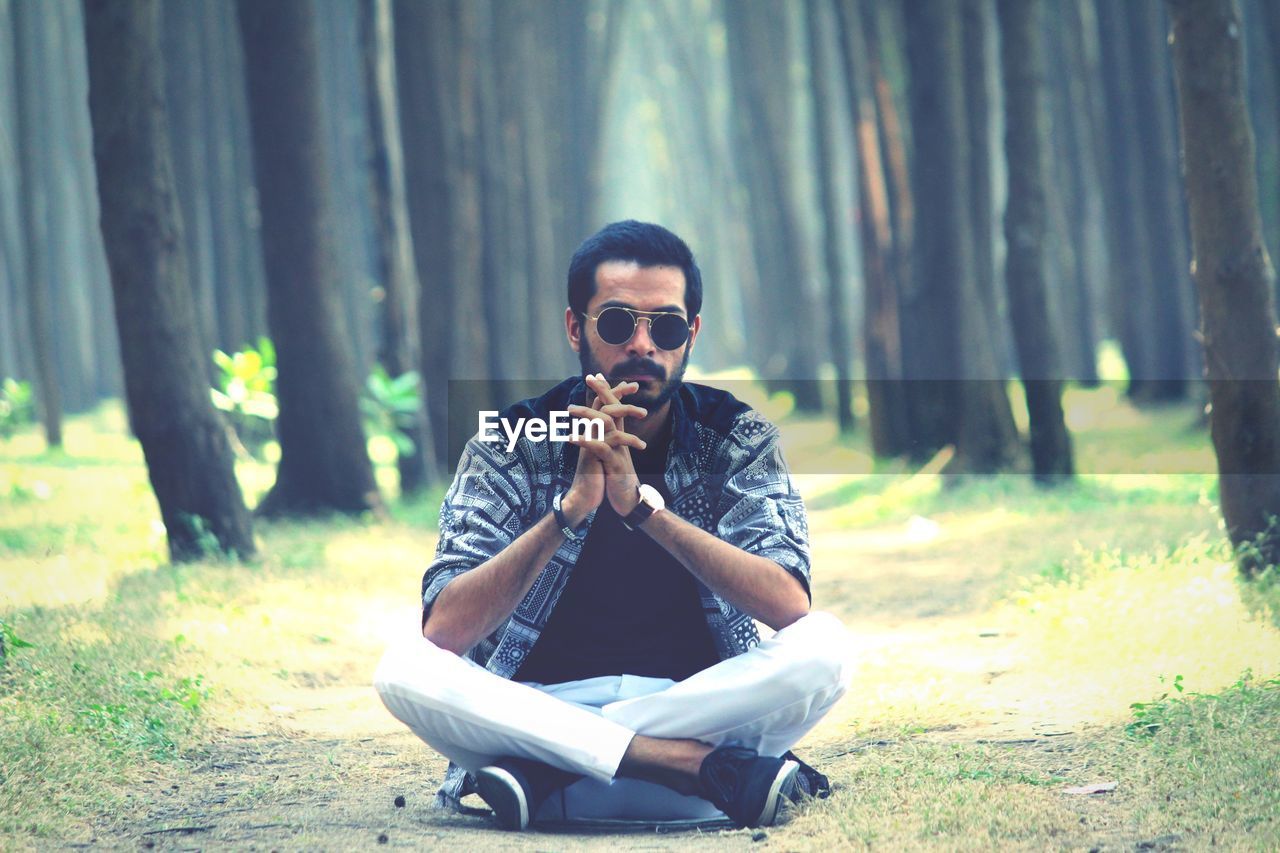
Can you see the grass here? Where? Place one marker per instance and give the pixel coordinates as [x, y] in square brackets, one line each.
[1014, 642]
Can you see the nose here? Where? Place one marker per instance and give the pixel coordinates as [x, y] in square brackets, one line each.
[641, 343]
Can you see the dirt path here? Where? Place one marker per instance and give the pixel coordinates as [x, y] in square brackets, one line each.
[324, 766]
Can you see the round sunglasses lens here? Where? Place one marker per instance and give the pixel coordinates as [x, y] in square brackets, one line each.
[669, 331]
[615, 326]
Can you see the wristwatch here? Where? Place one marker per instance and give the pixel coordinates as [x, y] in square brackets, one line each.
[650, 502]
[570, 533]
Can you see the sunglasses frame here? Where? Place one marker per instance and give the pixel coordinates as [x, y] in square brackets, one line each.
[636, 316]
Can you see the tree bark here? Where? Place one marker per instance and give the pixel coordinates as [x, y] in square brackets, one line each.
[231, 330]
[1131, 278]
[393, 249]
[1071, 211]
[1026, 235]
[421, 39]
[1232, 271]
[944, 318]
[761, 97]
[883, 229]
[975, 24]
[1162, 204]
[324, 463]
[826, 100]
[1267, 55]
[185, 73]
[33, 122]
[189, 459]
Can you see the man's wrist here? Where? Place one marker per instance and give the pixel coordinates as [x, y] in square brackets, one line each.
[631, 501]
[575, 512]
[648, 502]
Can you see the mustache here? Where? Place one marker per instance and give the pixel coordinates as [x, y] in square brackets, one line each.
[637, 367]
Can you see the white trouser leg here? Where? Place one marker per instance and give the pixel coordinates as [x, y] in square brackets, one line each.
[474, 717]
[766, 699]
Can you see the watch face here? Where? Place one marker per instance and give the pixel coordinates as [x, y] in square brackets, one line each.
[651, 496]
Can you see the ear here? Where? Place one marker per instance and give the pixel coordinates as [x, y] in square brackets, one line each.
[694, 328]
[573, 329]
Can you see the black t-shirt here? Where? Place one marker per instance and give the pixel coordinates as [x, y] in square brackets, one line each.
[629, 607]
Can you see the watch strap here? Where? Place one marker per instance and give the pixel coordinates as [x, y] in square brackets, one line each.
[637, 516]
[563, 523]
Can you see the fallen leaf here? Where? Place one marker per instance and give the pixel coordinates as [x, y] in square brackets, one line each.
[1094, 788]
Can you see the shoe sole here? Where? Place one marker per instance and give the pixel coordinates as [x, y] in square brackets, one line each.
[779, 793]
[505, 796]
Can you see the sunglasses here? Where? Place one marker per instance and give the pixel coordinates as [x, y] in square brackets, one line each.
[616, 325]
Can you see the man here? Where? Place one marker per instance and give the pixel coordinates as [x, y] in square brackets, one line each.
[603, 590]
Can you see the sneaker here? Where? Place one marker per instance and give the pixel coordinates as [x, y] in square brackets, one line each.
[746, 787]
[515, 787]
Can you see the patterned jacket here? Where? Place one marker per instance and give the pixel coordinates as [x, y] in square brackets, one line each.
[725, 474]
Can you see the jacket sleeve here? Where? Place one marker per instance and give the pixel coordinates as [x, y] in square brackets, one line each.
[759, 508]
[482, 513]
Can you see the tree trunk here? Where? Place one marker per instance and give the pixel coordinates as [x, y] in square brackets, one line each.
[761, 98]
[944, 318]
[1162, 203]
[1233, 272]
[250, 276]
[70, 261]
[185, 73]
[227, 209]
[185, 442]
[420, 36]
[893, 140]
[324, 464]
[881, 228]
[393, 251]
[1026, 235]
[545, 267]
[33, 125]
[975, 24]
[1267, 55]
[1131, 279]
[826, 100]
[1071, 210]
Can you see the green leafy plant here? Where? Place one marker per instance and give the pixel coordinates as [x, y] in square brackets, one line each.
[148, 712]
[1150, 717]
[15, 406]
[389, 406]
[9, 640]
[246, 393]
[206, 540]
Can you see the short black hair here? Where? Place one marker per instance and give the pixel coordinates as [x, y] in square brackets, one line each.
[643, 243]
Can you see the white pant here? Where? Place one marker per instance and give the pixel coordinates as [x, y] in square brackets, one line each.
[766, 699]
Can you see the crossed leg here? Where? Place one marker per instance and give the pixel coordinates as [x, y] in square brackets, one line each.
[651, 729]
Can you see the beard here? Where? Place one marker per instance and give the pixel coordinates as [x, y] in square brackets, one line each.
[651, 400]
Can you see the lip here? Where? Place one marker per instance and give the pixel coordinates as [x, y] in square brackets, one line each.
[637, 377]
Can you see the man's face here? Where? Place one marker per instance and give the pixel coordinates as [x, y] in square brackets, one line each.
[629, 285]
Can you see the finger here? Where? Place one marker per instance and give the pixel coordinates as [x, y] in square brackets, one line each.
[596, 451]
[618, 438]
[623, 410]
[623, 388]
[600, 385]
[611, 440]
[583, 413]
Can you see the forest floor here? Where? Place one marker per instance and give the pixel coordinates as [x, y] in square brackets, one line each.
[1004, 632]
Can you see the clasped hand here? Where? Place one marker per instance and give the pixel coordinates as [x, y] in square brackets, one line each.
[605, 468]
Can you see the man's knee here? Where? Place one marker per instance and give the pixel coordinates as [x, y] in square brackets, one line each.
[821, 650]
[413, 664]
